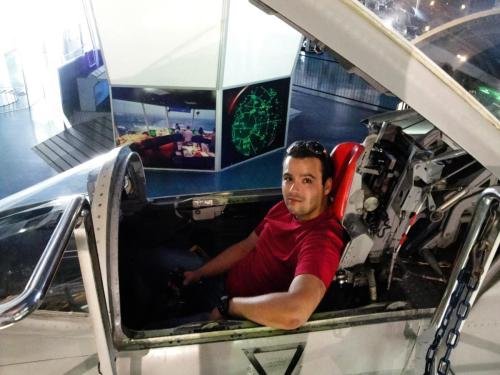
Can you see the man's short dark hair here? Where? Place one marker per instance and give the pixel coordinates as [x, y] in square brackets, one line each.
[312, 149]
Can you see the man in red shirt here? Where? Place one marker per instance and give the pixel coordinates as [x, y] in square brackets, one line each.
[278, 275]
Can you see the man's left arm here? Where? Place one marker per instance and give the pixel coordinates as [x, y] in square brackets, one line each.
[286, 310]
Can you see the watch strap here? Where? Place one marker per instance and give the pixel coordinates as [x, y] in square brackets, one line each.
[223, 305]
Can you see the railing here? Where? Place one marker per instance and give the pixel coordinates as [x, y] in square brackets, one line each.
[324, 75]
[466, 279]
[489, 197]
[13, 94]
[31, 297]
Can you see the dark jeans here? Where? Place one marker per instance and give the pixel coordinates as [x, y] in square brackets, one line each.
[162, 271]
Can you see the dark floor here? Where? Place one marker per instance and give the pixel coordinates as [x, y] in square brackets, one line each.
[25, 135]
[20, 130]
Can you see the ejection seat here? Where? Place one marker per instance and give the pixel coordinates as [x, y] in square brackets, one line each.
[346, 184]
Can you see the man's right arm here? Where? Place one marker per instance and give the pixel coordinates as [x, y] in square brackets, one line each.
[223, 261]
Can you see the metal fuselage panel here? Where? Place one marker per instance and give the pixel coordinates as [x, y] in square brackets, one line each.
[383, 347]
[48, 342]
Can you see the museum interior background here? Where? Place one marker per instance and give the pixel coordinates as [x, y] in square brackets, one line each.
[205, 103]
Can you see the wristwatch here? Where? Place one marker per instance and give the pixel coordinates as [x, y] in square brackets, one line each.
[223, 305]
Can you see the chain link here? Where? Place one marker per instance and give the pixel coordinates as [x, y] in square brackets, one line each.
[467, 281]
[459, 305]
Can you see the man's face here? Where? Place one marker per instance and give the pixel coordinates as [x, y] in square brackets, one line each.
[304, 194]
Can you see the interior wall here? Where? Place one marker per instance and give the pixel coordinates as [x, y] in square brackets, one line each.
[160, 42]
[259, 46]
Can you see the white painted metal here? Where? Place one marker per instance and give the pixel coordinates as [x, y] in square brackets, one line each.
[101, 331]
[356, 251]
[480, 337]
[350, 350]
[49, 342]
[359, 36]
[478, 351]
[99, 211]
[475, 239]
[84, 365]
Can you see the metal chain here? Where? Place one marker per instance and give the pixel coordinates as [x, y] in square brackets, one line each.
[467, 283]
[459, 302]
[471, 281]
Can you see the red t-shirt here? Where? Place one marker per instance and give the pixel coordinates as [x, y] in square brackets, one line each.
[286, 248]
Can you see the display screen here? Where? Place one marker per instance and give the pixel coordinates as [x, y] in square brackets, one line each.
[101, 92]
[254, 120]
[84, 86]
[168, 128]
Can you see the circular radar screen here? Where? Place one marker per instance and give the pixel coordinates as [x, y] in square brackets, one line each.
[256, 120]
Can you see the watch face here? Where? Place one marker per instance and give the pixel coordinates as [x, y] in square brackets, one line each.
[223, 305]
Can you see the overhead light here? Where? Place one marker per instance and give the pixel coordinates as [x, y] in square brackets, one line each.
[462, 6]
[462, 58]
[427, 28]
[432, 3]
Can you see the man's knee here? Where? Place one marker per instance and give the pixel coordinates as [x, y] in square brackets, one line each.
[170, 259]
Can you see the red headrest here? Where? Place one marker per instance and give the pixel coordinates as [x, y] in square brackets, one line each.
[344, 158]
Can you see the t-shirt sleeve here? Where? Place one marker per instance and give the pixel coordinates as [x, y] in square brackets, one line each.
[320, 256]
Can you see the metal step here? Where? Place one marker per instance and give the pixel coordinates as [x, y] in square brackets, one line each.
[77, 144]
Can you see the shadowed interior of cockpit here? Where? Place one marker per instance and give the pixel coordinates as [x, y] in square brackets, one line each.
[407, 213]
[152, 300]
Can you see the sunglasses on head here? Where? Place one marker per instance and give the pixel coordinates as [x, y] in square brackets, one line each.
[312, 146]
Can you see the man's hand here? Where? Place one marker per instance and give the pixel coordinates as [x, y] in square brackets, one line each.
[191, 277]
[223, 261]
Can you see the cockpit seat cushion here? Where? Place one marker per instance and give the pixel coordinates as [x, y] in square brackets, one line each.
[344, 158]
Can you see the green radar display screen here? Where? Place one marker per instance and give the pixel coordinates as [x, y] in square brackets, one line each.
[254, 120]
